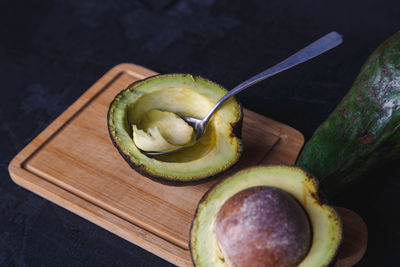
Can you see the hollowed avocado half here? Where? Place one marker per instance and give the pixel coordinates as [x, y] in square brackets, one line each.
[225, 199]
[185, 95]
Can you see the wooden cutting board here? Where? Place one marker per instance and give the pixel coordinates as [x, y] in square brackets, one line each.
[74, 164]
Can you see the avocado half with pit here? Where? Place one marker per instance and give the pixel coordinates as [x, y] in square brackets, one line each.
[158, 102]
[265, 216]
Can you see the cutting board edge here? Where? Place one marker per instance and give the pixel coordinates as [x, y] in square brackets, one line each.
[20, 175]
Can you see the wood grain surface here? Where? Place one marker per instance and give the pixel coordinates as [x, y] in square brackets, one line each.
[74, 164]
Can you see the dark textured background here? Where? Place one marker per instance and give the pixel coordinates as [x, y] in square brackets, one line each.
[51, 51]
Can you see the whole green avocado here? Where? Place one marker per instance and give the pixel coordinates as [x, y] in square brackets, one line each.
[363, 131]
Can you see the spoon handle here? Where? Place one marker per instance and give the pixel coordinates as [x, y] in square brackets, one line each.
[318, 47]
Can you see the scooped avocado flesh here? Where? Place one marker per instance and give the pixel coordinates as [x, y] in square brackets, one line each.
[161, 131]
[182, 95]
[326, 228]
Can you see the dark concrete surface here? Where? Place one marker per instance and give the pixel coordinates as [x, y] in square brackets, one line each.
[51, 51]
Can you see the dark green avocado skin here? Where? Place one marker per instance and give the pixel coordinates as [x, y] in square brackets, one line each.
[363, 132]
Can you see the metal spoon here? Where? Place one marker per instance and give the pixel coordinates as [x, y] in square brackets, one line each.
[318, 47]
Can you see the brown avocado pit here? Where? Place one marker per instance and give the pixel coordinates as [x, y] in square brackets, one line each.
[268, 222]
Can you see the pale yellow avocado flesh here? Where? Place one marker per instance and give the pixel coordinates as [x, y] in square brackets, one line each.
[161, 131]
[326, 224]
[183, 95]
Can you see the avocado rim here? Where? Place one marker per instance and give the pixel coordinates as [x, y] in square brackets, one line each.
[235, 133]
